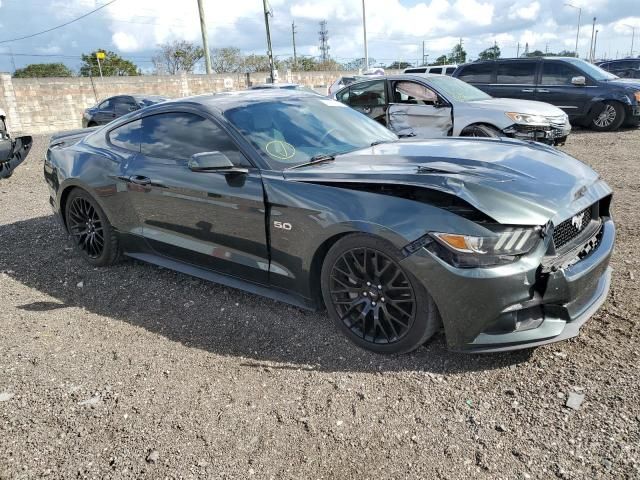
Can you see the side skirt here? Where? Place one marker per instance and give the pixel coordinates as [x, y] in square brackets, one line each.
[224, 280]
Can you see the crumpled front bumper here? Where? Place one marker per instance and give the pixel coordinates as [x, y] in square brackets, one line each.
[477, 303]
[554, 134]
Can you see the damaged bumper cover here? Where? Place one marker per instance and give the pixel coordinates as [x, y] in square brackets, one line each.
[13, 153]
[552, 134]
[520, 305]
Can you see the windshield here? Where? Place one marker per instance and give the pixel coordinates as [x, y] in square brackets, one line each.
[592, 70]
[291, 131]
[457, 90]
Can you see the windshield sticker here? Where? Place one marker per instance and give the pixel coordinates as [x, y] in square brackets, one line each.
[280, 150]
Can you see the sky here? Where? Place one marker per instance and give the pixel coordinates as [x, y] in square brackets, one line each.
[396, 29]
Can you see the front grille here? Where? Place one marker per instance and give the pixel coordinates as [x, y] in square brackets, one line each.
[566, 231]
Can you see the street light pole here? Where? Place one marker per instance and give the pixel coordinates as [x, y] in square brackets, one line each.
[364, 30]
[595, 43]
[579, 18]
[205, 41]
[633, 37]
[593, 32]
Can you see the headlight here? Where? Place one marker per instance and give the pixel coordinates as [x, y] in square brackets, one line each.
[467, 251]
[527, 119]
[637, 95]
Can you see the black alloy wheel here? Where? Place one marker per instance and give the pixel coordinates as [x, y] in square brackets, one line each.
[373, 299]
[372, 295]
[90, 229]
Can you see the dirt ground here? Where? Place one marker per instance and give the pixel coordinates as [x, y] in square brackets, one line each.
[139, 372]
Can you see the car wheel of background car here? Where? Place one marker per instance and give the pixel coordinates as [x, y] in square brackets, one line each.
[92, 124]
[373, 300]
[90, 229]
[481, 131]
[610, 118]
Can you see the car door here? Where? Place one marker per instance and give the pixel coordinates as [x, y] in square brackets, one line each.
[418, 111]
[370, 98]
[556, 88]
[212, 220]
[105, 112]
[124, 105]
[515, 79]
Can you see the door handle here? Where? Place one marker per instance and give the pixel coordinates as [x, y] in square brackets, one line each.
[527, 90]
[543, 90]
[139, 180]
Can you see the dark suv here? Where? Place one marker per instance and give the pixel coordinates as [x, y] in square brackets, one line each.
[624, 68]
[589, 95]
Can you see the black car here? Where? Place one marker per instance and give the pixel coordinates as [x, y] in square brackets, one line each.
[589, 95]
[623, 68]
[300, 198]
[115, 107]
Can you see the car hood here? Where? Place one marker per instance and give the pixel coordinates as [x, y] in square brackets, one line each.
[529, 107]
[633, 83]
[513, 182]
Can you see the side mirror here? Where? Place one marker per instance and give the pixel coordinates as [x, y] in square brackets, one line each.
[213, 162]
[579, 81]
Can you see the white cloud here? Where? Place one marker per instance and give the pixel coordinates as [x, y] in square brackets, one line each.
[528, 11]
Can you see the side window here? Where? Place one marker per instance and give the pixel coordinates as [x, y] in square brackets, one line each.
[412, 93]
[477, 73]
[106, 105]
[450, 70]
[517, 73]
[127, 136]
[436, 70]
[557, 73]
[124, 105]
[343, 96]
[177, 136]
[367, 94]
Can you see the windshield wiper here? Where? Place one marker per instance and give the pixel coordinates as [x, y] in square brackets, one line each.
[379, 142]
[316, 159]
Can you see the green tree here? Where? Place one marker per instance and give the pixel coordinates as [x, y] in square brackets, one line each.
[539, 53]
[490, 53]
[177, 56]
[458, 54]
[113, 65]
[398, 65]
[441, 60]
[227, 60]
[43, 70]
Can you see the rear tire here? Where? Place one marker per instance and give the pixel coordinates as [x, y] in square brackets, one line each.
[373, 300]
[484, 131]
[92, 124]
[90, 229]
[609, 119]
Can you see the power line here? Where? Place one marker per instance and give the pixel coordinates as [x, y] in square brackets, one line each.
[59, 26]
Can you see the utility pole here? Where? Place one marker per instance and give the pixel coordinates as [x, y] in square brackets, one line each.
[595, 42]
[205, 41]
[458, 57]
[578, 33]
[518, 51]
[293, 34]
[13, 59]
[423, 52]
[593, 32]
[364, 31]
[633, 37]
[269, 52]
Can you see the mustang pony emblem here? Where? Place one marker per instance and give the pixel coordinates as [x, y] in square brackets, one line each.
[576, 221]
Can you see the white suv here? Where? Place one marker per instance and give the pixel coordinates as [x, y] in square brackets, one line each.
[433, 69]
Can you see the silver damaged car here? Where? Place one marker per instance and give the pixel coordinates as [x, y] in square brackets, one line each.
[428, 106]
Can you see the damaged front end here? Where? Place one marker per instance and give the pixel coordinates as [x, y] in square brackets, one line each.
[547, 130]
[12, 153]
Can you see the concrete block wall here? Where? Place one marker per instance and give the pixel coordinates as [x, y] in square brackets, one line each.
[45, 105]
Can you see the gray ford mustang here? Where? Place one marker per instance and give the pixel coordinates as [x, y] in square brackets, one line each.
[299, 198]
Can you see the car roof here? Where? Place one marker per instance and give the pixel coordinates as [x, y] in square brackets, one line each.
[224, 101]
[274, 85]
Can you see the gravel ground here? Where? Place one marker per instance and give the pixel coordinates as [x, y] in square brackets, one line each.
[138, 372]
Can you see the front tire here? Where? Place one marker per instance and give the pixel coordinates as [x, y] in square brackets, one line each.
[484, 131]
[373, 300]
[90, 229]
[609, 119]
